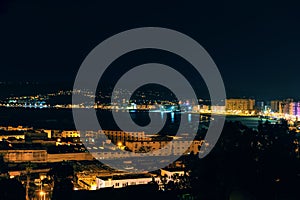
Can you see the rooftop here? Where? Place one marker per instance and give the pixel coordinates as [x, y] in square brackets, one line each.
[126, 176]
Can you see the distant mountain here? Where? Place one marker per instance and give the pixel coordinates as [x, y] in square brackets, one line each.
[11, 89]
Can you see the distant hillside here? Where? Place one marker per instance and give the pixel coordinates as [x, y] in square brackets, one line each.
[10, 89]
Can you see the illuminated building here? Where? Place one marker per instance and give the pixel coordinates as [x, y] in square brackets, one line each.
[70, 134]
[6, 135]
[277, 106]
[294, 108]
[240, 105]
[121, 136]
[286, 106]
[19, 156]
[39, 156]
[18, 128]
[60, 134]
[170, 147]
[218, 109]
[60, 157]
[49, 133]
[120, 181]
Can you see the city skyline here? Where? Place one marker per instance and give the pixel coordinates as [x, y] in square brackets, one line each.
[255, 52]
[167, 100]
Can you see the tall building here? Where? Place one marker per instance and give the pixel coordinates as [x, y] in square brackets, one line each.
[243, 105]
[277, 106]
[294, 108]
[286, 106]
[259, 106]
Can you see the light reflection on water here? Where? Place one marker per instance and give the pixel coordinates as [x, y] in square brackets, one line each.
[63, 119]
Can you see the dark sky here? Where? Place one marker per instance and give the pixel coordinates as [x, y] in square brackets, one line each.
[256, 45]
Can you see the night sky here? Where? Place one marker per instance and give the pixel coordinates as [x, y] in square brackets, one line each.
[256, 46]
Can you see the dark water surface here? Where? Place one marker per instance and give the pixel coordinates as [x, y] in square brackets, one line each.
[51, 118]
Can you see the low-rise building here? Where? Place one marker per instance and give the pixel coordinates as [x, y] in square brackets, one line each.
[18, 128]
[72, 134]
[120, 181]
[59, 157]
[6, 135]
[19, 156]
[117, 137]
[174, 147]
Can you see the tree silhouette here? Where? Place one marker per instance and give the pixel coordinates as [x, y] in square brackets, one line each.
[62, 175]
[11, 189]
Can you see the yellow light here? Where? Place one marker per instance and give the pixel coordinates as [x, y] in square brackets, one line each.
[119, 144]
[42, 193]
[93, 187]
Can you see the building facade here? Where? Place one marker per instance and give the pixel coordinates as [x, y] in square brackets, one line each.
[125, 180]
[178, 147]
[277, 106]
[19, 156]
[294, 108]
[240, 105]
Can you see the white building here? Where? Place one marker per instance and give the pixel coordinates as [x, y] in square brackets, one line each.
[119, 181]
